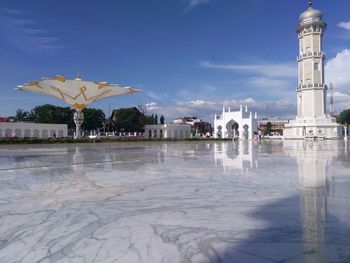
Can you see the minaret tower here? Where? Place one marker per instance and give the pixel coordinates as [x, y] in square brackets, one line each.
[311, 120]
[311, 89]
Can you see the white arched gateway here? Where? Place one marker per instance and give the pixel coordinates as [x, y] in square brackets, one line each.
[235, 124]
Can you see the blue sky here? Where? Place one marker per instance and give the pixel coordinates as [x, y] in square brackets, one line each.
[189, 57]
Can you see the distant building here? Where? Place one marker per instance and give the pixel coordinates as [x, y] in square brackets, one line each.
[32, 130]
[168, 131]
[4, 119]
[197, 125]
[235, 124]
[276, 125]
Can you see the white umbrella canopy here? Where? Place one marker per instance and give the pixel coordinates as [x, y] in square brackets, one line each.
[77, 93]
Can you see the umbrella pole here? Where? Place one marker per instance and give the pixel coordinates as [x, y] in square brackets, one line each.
[78, 120]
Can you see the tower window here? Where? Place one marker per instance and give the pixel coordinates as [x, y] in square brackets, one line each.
[316, 66]
[308, 49]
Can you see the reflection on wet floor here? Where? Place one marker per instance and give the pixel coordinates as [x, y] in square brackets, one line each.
[285, 201]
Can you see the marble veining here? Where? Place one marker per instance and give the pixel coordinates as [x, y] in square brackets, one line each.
[198, 202]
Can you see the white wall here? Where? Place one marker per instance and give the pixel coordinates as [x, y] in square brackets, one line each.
[166, 131]
[30, 130]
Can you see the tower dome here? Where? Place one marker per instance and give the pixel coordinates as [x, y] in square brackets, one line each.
[311, 13]
[311, 17]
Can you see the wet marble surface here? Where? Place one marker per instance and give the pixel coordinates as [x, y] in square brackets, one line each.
[176, 202]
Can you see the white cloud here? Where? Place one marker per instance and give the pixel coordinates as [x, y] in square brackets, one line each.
[284, 70]
[273, 88]
[10, 11]
[23, 33]
[200, 103]
[195, 3]
[152, 106]
[341, 101]
[206, 109]
[338, 71]
[152, 95]
[248, 101]
[344, 25]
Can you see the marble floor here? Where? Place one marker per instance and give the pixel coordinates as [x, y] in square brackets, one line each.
[200, 202]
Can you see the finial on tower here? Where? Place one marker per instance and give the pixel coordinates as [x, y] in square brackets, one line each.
[310, 3]
[78, 77]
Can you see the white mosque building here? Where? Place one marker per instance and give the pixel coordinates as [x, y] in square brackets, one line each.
[235, 124]
[311, 120]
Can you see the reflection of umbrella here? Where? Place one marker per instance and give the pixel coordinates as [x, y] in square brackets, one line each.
[77, 93]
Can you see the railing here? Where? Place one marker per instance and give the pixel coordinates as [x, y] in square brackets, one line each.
[310, 54]
[315, 85]
[313, 120]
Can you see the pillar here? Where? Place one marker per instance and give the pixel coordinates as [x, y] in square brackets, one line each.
[78, 120]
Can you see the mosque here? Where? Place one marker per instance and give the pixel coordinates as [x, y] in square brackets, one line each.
[311, 120]
[235, 124]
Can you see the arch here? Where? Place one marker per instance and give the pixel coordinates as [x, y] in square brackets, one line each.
[18, 133]
[161, 133]
[60, 133]
[155, 134]
[150, 134]
[44, 133]
[36, 133]
[232, 129]
[8, 133]
[181, 134]
[219, 132]
[27, 133]
[0, 133]
[53, 133]
[245, 132]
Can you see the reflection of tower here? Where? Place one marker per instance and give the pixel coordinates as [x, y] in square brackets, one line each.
[236, 155]
[314, 168]
[313, 182]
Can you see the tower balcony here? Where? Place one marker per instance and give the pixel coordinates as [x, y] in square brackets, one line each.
[310, 54]
[312, 86]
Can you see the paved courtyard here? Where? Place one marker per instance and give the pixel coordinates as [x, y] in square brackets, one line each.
[202, 202]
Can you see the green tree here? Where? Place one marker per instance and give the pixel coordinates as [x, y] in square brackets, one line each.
[53, 114]
[267, 129]
[344, 117]
[21, 115]
[161, 119]
[93, 119]
[149, 119]
[129, 120]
